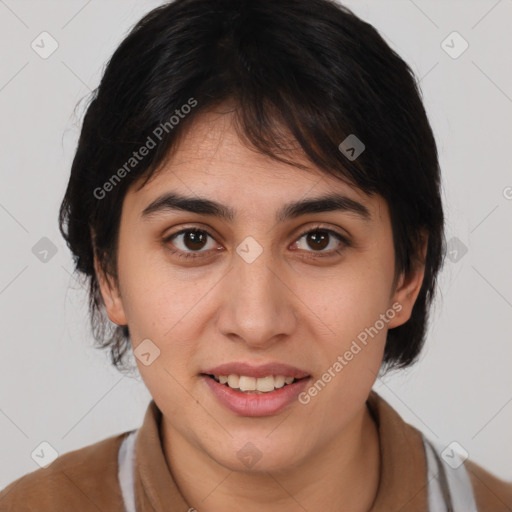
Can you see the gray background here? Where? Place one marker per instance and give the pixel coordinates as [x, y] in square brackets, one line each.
[55, 387]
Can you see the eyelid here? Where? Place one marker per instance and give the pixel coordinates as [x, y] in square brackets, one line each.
[324, 227]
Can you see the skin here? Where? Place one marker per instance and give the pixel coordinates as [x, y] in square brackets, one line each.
[290, 305]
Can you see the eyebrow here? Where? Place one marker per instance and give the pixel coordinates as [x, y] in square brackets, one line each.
[326, 203]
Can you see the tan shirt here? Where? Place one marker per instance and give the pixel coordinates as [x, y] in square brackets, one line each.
[87, 479]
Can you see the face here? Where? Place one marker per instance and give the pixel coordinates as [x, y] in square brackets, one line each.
[269, 292]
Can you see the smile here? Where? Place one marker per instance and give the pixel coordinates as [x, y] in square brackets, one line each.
[250, 396]
[246, 384]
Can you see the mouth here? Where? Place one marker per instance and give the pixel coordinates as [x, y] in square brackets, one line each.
[254, 385]
[266, 391]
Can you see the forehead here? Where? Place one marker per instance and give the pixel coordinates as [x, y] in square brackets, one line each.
[211, 161]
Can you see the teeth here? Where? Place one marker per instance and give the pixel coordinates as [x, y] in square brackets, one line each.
[265, 384]
[279, 381]
[247, 383]
[233, 381]
[258, 385]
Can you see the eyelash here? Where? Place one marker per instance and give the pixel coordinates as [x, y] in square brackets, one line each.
[319, 254]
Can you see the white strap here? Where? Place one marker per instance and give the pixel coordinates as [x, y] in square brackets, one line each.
[449, 489]
[436, 501]
[126, 460]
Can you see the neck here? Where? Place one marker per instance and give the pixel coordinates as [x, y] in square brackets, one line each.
[344, 471]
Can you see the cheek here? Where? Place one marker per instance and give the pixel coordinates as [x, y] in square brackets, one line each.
[154, 297]
[164, 306]
[353, 303]
[350, 353]
[169, 306]
[351, 298]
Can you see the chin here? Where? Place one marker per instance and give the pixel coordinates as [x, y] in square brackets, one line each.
[260, 455]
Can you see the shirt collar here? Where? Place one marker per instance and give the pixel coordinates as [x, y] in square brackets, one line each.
[403, 474]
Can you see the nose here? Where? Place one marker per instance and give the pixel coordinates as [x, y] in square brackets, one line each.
[258, 305]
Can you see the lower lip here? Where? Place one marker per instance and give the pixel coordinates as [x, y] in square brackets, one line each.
[251, 404]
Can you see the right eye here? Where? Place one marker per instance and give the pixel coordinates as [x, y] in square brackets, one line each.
[191, 240]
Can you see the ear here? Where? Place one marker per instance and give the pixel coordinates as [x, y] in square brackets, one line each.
[409, 287]
[111, 295]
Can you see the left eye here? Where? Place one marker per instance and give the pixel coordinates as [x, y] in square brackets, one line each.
[318, 239]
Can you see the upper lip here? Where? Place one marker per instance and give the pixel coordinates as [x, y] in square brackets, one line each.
[264, 370]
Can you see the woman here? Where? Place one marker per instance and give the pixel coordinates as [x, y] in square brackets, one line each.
[255, 200]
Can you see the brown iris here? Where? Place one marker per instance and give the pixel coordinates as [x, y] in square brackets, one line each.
[318, 239]
[194, 240]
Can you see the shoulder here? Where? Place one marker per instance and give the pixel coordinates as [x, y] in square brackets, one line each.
[84, 479]
[403, 441]
[491, 493]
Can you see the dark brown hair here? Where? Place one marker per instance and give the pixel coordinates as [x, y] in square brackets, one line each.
[311, 66]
